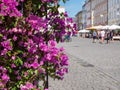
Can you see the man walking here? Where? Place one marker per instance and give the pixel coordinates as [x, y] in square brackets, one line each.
[94, 36]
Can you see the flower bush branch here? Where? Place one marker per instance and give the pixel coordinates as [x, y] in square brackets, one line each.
[28, 40]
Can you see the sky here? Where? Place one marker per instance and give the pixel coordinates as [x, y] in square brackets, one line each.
[73, 6]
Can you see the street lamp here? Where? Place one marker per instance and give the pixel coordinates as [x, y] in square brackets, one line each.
[92, 18]
[101, 17]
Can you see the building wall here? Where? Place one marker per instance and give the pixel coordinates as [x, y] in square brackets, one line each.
[114, 12]
[79, 20]
[88, 13]
[100, 12]
[84, 16]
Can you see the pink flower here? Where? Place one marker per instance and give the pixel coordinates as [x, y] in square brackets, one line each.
[43, 47]
[25, 74]
[13, 65]
[61, 49]
[52, 43]
[14, 38]
[18, 77]
[30, 85]
[41, 63]
[13, 57]
[5, 77]
[48, 56]
[35, 65]
[6, 45]
[40, 70]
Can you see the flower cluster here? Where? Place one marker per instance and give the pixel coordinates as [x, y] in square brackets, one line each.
[30, 53]
[28, 86]
[36, 22]
[8, 8]
[28, 49]
[4, 77]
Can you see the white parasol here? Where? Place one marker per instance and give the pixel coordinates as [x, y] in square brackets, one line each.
[113, 27]
[84, 31]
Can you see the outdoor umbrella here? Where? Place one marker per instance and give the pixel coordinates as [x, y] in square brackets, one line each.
[106, 27]
[95, 27]
[84, 31]
[113, 27]
[98, 27]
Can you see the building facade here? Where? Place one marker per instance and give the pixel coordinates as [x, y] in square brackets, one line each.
[101, 12]
[84, 16]
[79, 20]
[114, 12]
[88, 13]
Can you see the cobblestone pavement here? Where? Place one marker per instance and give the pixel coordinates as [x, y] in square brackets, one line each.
[93, 66]
[84, 76]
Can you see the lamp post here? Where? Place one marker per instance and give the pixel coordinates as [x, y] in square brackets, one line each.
[92, 18]
[101, 17]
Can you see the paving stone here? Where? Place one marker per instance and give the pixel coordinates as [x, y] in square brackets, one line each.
[87, 72]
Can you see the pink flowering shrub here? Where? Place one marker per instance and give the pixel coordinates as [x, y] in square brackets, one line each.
[28, 44]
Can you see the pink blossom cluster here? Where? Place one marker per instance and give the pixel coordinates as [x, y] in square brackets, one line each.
[30, 47]
[8, 8]
[4, 77]
[27, 49]
[28, 86]
[36, 22]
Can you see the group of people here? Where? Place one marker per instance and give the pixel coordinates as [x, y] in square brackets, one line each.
[102, 35]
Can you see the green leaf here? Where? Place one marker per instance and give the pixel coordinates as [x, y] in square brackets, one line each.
[64, 1]
[36, 72]
[20, 61]
[19, 51]
[30, 71]
[15, 24]
[14, 88]
[9, 53]
[9, 69]
[1, 35]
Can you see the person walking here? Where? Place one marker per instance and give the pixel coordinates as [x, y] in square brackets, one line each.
[102, 36]
[99, 35]
[94, 36]
[108, 36]
[111, 35]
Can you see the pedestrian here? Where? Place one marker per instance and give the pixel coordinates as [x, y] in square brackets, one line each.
[99, 35]
[111, 35]
[108, 36]
[94, 36]
[102, 36]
